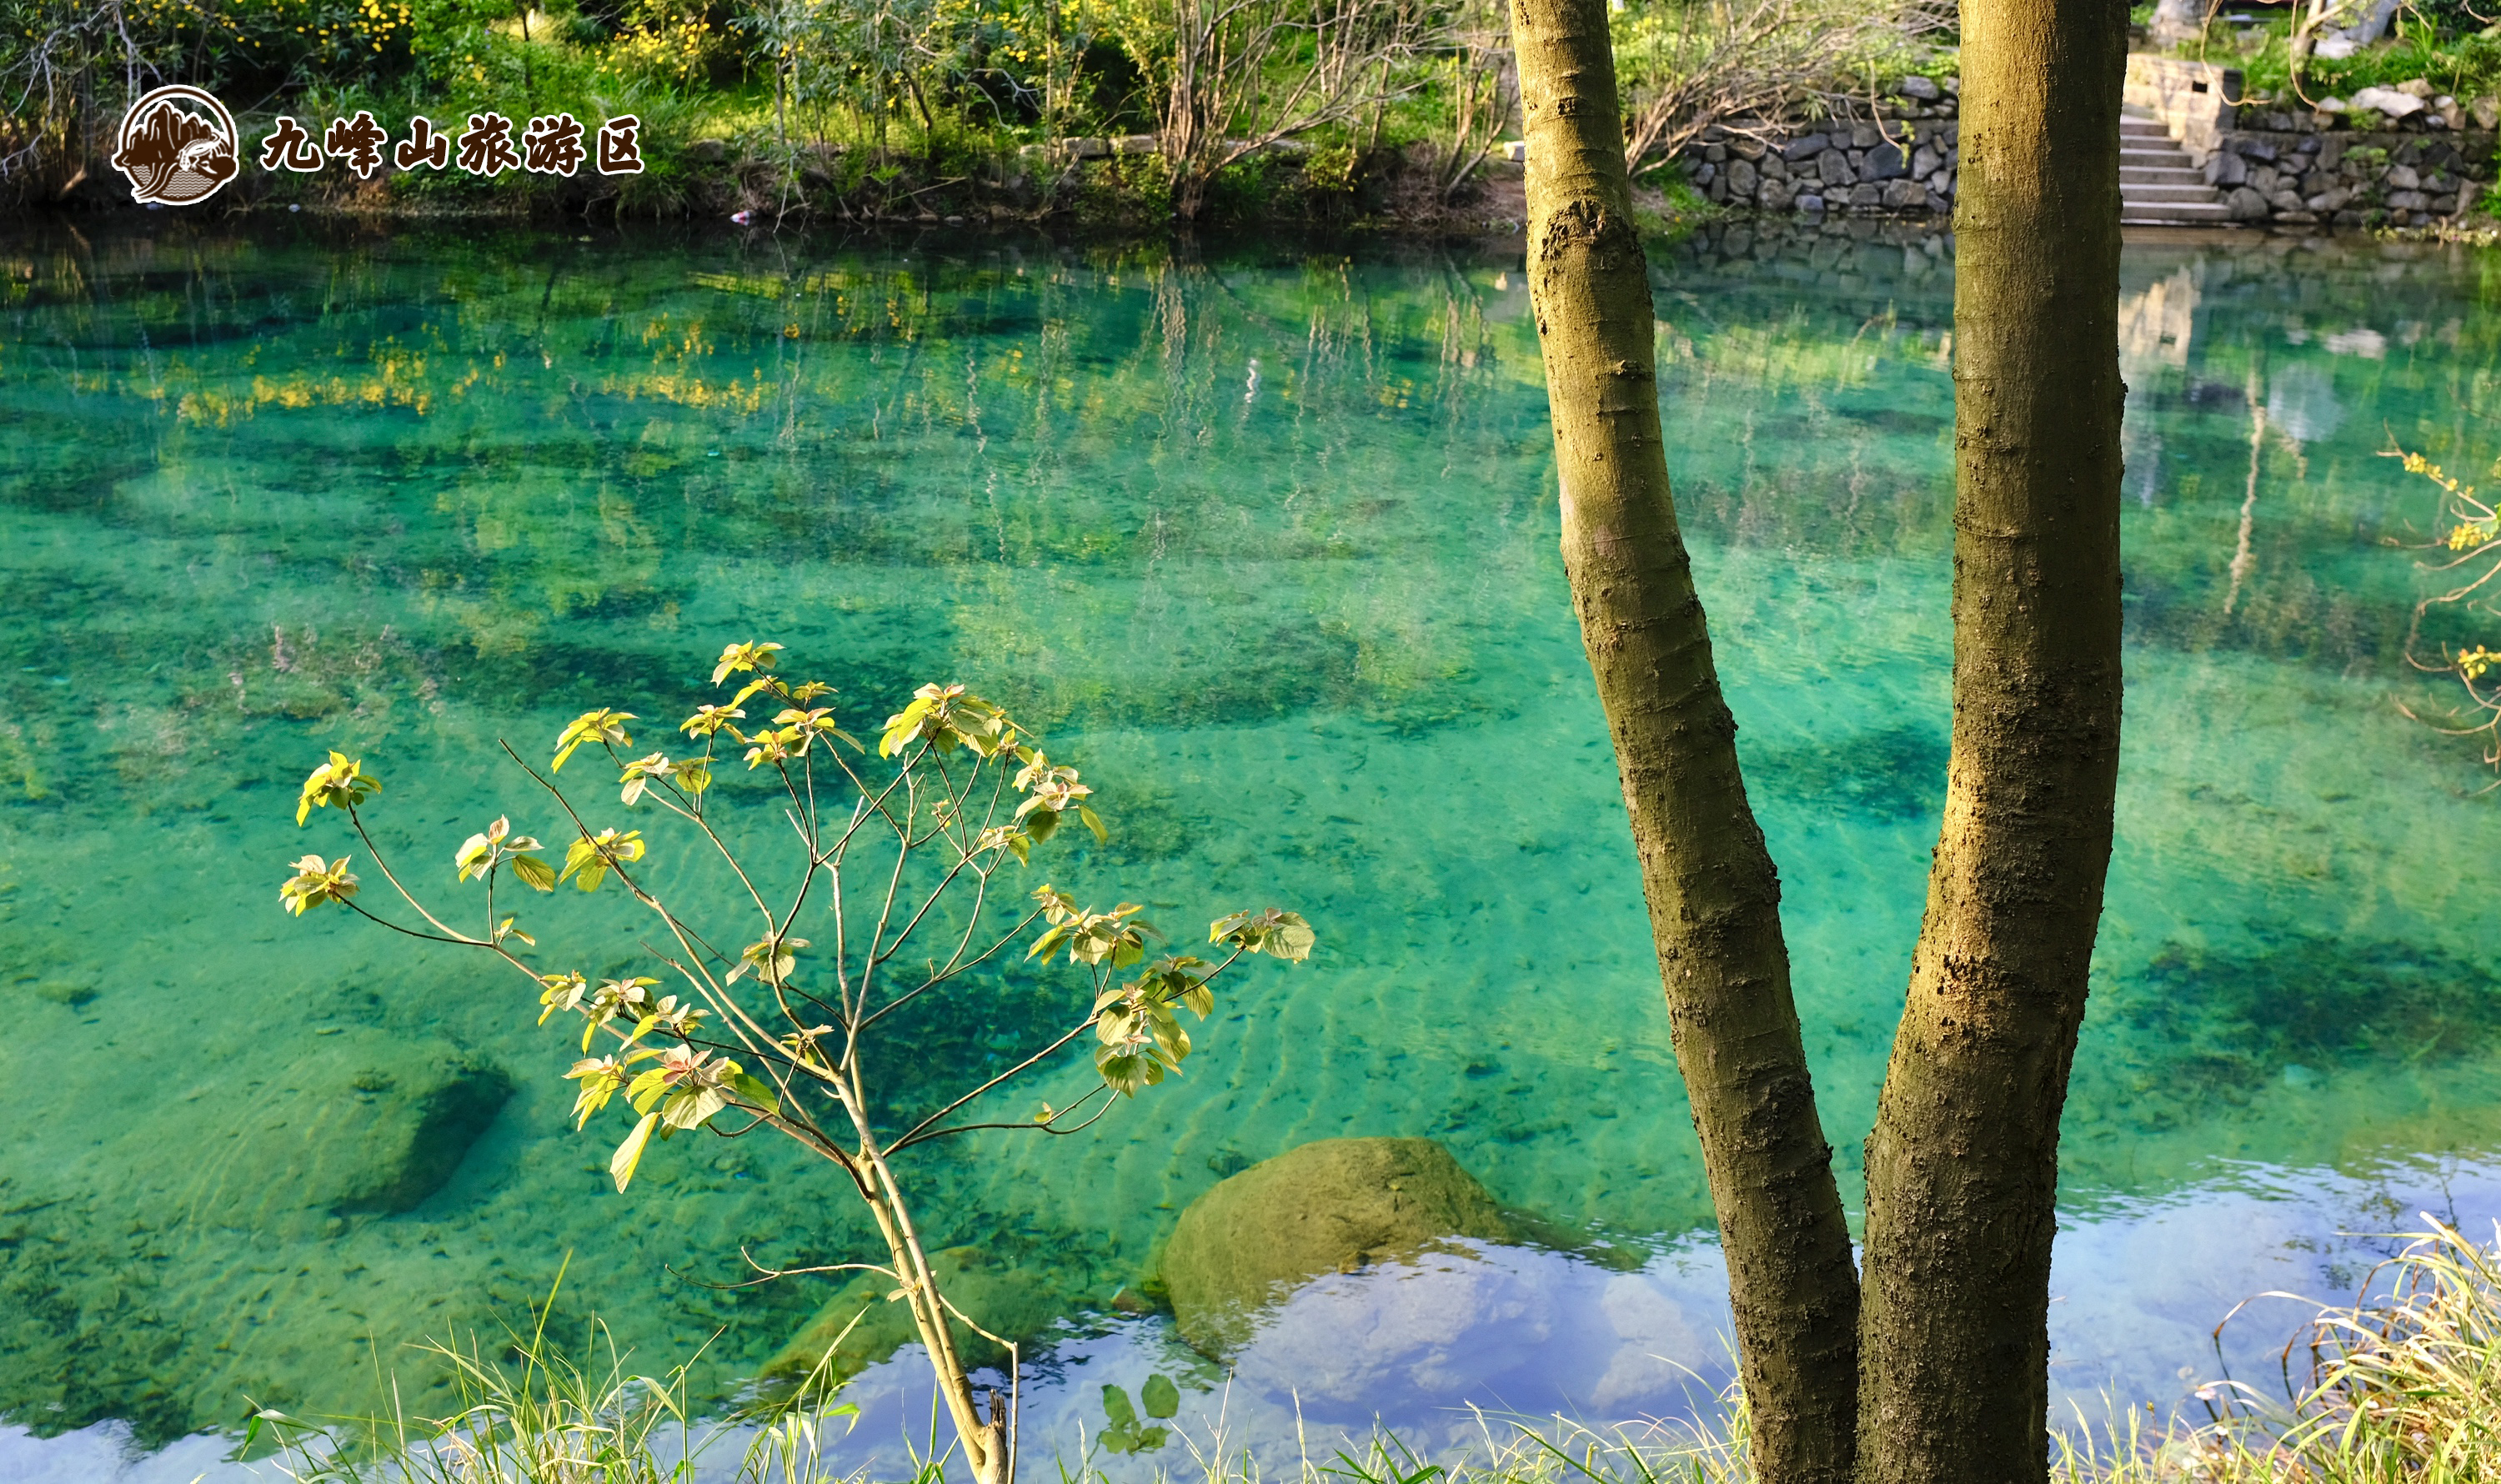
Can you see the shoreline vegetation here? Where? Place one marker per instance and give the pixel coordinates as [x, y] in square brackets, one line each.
[1093, 114]
[2404, 1382]
[1103, 113]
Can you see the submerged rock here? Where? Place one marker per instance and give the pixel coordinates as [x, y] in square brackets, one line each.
[1330, 1206]
[427, 1110]
[363, 1123]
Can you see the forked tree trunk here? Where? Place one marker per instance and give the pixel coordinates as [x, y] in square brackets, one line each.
[1714, 896]
[1962, 1167]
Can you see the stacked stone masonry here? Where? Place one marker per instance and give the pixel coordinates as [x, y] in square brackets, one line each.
[1898, 162]
[2350, 179]
[2296, 171]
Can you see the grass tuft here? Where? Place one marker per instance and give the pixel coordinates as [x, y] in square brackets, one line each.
[2402, 1386]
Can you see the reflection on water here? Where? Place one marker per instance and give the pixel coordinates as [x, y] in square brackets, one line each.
[1267, 541]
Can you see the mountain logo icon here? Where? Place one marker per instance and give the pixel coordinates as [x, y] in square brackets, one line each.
[178, 147]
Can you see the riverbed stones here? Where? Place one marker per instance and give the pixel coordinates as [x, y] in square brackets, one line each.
[1331, 1206]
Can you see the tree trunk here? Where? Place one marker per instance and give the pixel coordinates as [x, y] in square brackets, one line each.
[1962, 1166]
[1714, 895]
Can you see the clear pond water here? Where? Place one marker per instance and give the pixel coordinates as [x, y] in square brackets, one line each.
[1265, 537]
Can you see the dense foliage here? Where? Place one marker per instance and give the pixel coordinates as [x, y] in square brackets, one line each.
[805, 102]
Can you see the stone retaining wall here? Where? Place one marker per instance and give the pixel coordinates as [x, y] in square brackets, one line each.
[1897, 161]
[2349, 178]
[1896, 168]
[1901, 162]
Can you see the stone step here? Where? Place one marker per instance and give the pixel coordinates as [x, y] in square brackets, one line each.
[2159, 175]
[2138, 196]
[2155, 159]
[2175, 211]
[2146, 128]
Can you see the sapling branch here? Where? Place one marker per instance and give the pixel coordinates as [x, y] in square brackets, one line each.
[682, 1064]
[384, 866]
[918, 1130]
[422, 937]
[1049, 1124]
[764, 1274]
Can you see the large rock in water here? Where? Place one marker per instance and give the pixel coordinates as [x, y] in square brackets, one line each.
[361, 1123]
[1330, 1206]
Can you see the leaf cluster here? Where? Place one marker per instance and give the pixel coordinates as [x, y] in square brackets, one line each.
[1126, 1434]
[960, 791]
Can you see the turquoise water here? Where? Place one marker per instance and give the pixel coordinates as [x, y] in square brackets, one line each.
[1265, 537]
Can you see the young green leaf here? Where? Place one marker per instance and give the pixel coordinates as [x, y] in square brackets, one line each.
[341, 782]
[739, 657]
[588, 861]
[1278, 933]
[315, 883]
[772, 960]
[758, 1092]
[602, 725]
[710, 719]
[1163, 1398]
[1116, 1406]
[629, 1154]
[691, 1106]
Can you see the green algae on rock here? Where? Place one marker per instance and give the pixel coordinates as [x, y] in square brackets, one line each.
[1329, 1206]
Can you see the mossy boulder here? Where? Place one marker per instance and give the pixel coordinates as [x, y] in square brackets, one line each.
[974, 1279]
[358, 1123]
[405, 1123]
[1331, 1206]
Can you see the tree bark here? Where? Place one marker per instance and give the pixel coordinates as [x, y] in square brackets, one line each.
[1714, 895]
[1962, 1166]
